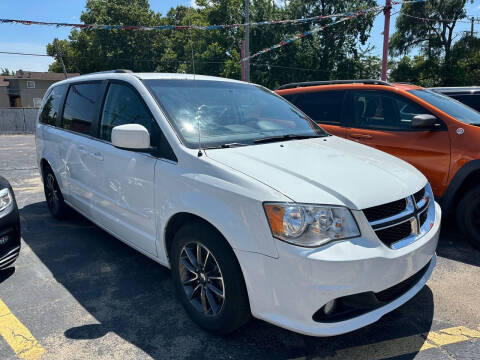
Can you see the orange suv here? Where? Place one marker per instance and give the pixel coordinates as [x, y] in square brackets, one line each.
[435, 133]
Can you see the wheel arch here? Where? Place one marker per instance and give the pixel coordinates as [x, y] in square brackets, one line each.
[43, 164]
[465, 178]
[176, 221]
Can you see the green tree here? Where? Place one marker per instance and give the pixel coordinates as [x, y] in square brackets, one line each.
[96, 50]
[330, 54]
[6, 72]
[434, 37]
[420, 70]
[466, 56]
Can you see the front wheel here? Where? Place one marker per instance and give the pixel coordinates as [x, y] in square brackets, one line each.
[468, 216]
[208, 279]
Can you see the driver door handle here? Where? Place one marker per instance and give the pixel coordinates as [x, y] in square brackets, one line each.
[361, 136]
[96, 155]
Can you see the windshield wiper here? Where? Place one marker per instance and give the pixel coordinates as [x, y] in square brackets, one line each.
[284, 137]
[226, 146]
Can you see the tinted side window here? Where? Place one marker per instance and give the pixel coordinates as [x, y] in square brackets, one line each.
[123, 106]
[50, 109]
[384, 111]
[323, 106]
[471, 100]
[408, 110]
[81, 107]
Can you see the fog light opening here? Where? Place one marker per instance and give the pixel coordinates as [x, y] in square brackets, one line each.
[329, 307]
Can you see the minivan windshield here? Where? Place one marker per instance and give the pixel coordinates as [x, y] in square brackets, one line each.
[450, 106]
[229, 114]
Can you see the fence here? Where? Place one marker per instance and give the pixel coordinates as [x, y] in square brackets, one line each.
[17, 120]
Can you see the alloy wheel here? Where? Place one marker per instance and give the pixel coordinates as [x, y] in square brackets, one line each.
[202, 279]
[51, 192]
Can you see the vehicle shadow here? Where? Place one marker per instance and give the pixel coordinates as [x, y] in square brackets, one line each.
[132, 296]
[453, 245]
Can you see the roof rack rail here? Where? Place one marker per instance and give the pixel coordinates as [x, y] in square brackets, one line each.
[333, 82]
[117, 71]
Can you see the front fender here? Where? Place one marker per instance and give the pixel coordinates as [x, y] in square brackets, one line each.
[448, 200]
[243, 223]
[229, 201]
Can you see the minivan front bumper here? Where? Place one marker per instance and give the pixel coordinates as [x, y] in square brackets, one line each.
[288, 291]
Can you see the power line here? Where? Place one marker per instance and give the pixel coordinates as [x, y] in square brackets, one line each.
[194, 27]
[477, 20]
[116, 58]
[256, 64]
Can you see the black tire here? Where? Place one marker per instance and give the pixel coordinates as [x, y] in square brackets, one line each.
[53, 195]
[468, 216]
[234, 311]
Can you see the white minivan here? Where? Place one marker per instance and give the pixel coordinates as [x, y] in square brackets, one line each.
[254, 208]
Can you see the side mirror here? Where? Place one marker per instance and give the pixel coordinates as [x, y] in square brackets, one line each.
[425, 122]
[131, 137]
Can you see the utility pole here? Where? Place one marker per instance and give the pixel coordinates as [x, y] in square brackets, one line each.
[59, 56]
[471, 30]
[247, 41]
[386, 35]
[242, 56]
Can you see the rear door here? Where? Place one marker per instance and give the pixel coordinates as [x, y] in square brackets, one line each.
[125, 188]
[383, 120]
[324, 107]
[80, 113]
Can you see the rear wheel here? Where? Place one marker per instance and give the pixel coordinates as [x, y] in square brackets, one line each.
[53, 195]
[468, 216]
[208, 279]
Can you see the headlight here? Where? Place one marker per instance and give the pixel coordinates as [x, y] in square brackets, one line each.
[6, 201]
[310, 225]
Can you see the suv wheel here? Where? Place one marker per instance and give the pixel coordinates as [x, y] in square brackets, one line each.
[468, 216]
[53, 195]
[208, 279]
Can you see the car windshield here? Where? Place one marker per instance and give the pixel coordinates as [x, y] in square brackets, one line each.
[229, 113]
[450, 106]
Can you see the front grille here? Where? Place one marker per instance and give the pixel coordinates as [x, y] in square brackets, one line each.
[386, 210]
[395, 233]
[419, 195]
[423, 217]
[400, 219]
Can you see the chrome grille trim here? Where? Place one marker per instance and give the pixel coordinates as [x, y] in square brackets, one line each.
[400, 216]
[412, 213]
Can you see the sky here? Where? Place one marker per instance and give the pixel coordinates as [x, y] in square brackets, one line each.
[33, 39]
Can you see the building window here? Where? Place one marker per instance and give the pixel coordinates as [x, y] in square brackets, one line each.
[15, 101]
[37, 102]
[30, 84]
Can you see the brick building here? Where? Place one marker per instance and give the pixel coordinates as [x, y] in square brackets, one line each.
[26, 88]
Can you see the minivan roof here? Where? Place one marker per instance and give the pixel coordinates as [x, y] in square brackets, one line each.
[143, 76]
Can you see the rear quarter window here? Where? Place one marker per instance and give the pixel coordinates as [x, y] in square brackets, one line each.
[51, 107]
[322, 106]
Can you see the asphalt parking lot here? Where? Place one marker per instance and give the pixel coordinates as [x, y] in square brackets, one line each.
[77, 293]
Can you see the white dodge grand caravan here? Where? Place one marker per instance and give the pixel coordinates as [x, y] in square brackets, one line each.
[255, 209]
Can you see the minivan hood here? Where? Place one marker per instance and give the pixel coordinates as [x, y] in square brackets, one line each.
[327, 170]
